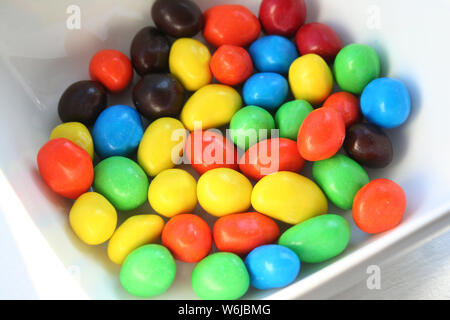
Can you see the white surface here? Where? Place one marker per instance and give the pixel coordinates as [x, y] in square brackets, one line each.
[421, 274]
[40, 58]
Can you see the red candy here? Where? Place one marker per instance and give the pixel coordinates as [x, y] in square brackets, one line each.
[269, 156]
[320, 39]
[208, 150]
[231, 65]
[346, 104]
[240, 233]
[188, 237]
[112, 68]
[379, 206]
[65, 167]
[282, 17]
[230, 24]
[321, 135]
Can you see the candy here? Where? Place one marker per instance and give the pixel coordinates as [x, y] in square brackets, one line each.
[112, 68]
[269, 156]
[82, 102]
[288, 197]
[93, 218]
[321, 134]
[133, 233]
[282, 17]
[173, 191]
[230, 24]
[77, 133]
[320, 39]
[340, 178]
[231, 65]
[161, 146]
[65, 167]
[158, 95]
[250, 125]
[355, 66]
[379, 206]
[290, 116]
[272, 266]
[386, 102]
[267, 90]
[317, 239]
[220, 276]
[148, 271]
[188, 237]
[224, 191]
[150, 51]
[346, 104]
[273, 54]
[212, 106]
[189, 62]
[122, 182]
[368, 145]
[310, 79]
[117, 132]
[177, 18]
[240, 233]
[207, 150]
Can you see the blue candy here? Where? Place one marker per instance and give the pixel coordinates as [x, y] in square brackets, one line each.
[272, 266]
[266, 90]
[117, 131]
[386, 102]
[273, 54]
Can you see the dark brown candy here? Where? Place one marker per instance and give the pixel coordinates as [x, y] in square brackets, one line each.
[158, 95]
[150, 51]
[177, 18]
[82, 102]
[368, 145]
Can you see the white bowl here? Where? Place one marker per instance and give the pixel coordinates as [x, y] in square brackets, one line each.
[40, 57]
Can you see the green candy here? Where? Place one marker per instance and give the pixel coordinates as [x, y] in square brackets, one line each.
[220, 276]
[317, 239]
[148, 271]
[355, 66]
[290, 117]
[340, 178]
[122, 181]
[246, 123]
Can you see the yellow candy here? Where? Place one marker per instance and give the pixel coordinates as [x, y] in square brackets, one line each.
[173, 191]
[288, 197]
[189, 62]
[224, 191]
[161, 146]
[134, 233]
[213, 105]
[93, 218]
[310, 79]
[77, 133]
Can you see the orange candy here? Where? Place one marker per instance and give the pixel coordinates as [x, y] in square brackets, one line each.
[65, 167]
[379, 206]
[112, 68]
[230, 24]
[345, 103]
[208, 150]
[188, 237]
[231, 65]
[269, 156]
[240, 233]
[321, 135]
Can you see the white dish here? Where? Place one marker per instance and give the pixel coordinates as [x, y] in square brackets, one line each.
[40, 57]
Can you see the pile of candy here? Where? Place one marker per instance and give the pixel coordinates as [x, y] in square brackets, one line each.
[267, 141]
